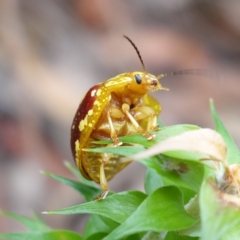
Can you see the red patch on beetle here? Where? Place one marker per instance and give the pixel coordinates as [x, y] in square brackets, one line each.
[82, 111]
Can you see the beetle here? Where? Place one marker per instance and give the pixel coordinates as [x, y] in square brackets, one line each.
[117, 107]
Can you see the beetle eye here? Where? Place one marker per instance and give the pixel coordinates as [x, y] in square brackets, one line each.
[138, 78]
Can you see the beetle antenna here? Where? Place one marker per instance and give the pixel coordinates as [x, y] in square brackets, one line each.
[200, 72]
[138, 53]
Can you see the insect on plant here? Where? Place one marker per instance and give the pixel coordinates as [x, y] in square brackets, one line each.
[117, 107]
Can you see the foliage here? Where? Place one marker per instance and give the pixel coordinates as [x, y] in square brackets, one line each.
[191, 191]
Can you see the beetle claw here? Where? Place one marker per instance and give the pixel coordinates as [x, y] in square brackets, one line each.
[101, 196]
[155, 127]
[117, 144]
[150, 136]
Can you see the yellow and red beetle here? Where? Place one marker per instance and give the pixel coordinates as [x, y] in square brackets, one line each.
[117, 107]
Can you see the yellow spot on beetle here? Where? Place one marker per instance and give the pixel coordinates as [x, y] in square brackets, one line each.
[99, 92]
[90, 112]
[77, 151]
[85, 121]
[90, 125]
[96, 103]
[81, 125]
[77, 145]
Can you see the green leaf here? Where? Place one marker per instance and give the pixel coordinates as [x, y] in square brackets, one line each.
[153, 181]
[188, 194]
[133, 237]
[154, 235]
[50, 235]
[126, 151]
[92, 226]
[233, 233]
[174, 130]
[181, 173]
[175, 236]
[38, 230]
[78, 174]
[117, 207]
[220, 212]
[122, 150]
[88, 192]
[233, 155]
[97, 224]
[95, 236]
[185, 155]
[161, 135]
[163, 210]
[33, 225]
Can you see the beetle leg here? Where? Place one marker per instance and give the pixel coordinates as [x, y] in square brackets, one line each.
[103, 179]
[145, 111]
[126, 108]
[116, 112]
[113, 133]
[152, 123]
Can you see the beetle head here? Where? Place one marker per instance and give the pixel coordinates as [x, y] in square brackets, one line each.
[143, 82]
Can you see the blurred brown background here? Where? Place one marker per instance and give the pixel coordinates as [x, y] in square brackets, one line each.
[53, 51]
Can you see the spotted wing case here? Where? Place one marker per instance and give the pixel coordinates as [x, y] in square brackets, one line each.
[86, 118]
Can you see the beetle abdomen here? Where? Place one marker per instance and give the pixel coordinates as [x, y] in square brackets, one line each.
[91, 163]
